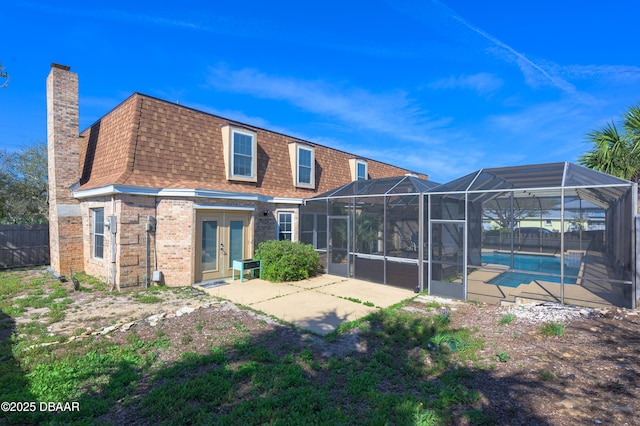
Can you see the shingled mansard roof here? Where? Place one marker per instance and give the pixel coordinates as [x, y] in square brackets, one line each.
[150, 143]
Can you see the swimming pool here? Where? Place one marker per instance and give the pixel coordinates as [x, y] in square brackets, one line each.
[531, 267]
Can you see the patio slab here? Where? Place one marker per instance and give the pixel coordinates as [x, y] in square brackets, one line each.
[318, 281]
[314, 311]
[319, 304]
[379, 294]
[252, 291]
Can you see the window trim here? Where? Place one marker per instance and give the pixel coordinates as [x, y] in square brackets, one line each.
[353, 167]
[294, 157]
[233, 154]
[366, 170]
[228, 144]
[97, 232]
[291, 232]
[311, 160]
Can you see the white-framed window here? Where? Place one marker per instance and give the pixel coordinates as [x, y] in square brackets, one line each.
[314, 230]
[305, 165]
[361, 170]
[240, 151]
[97, 233]
[302, 157]
[243, 154]
[285, 226]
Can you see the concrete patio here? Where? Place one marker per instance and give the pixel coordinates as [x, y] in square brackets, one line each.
[319, 304]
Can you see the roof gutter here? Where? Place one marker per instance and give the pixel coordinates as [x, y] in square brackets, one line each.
[109, 190]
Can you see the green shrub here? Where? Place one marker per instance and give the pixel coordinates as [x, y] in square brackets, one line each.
[287, 261]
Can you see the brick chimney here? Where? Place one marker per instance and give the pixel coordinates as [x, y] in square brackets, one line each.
[65, 217]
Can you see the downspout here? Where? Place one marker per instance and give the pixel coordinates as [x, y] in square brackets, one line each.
[113, 246]
[146, 265]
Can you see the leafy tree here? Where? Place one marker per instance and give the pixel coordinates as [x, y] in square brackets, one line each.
[24, 185]
[501, 211]
[4, 75]
[614, 152]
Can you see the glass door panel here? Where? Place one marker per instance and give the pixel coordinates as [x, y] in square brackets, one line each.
[209, 245]
[236, 240]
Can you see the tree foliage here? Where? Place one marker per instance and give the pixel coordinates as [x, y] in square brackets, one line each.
[4, 76]
[616, 152]
[506, 214]
[24, 185]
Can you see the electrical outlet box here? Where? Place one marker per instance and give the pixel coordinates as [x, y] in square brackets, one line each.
[150, 226]
[112, 224]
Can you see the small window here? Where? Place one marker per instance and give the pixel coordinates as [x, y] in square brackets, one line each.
[98, 233]
[305, 158]
[361, 170]
[285, 226]
[242, 154]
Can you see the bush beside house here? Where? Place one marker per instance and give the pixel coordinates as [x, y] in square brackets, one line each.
[287, 261]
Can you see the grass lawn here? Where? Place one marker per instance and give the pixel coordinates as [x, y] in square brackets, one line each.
[247, 379]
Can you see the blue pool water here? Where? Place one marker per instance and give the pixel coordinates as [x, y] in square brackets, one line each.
[532, 268]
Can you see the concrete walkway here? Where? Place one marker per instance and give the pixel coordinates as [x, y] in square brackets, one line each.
[319, 304]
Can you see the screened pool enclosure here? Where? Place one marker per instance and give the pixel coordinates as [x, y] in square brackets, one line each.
[555, 232]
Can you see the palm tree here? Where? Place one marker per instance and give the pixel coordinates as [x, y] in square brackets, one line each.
[616, 153]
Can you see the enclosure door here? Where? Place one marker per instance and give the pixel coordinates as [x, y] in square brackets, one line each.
[447, 269]
[221, 238]
[338, 246]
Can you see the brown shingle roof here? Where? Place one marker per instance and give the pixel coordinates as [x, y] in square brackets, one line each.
[147, 142]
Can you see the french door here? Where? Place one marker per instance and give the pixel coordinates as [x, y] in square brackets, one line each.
[221, 238]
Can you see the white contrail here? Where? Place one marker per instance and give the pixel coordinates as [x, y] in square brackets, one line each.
[558, 82]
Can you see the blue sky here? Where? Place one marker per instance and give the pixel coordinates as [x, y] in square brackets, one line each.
[439, 87]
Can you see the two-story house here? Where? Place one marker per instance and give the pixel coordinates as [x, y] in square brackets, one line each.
[159, 191]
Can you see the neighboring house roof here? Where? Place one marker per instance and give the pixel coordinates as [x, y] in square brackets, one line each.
[147, 142]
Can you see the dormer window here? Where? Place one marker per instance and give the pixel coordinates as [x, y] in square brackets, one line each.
[240, 148]
[359, 169]
[243, 155]
[302, 157]
[305, 155]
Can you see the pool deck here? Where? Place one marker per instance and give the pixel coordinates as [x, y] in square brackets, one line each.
[591, 290]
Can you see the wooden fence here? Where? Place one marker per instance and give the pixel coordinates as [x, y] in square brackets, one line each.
[24, 245]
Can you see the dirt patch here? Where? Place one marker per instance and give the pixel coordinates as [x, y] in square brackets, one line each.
[590, 374]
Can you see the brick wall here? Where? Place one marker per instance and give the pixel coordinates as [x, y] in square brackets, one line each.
[172, 245]
[132, 212]
[65, 236]
[99, 268]
[175, 239]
